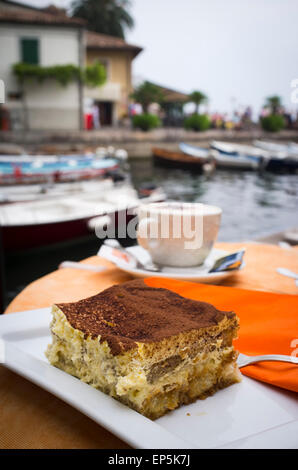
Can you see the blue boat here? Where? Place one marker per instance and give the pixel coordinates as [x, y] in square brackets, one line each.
[66, 167]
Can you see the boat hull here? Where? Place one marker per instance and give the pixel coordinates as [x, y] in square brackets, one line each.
[42, 169]
[223, 156]
[178, 160]
[237, 157]
[234, 163]
[287, 165]
[23, 237]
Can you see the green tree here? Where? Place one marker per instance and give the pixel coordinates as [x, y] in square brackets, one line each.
[104, 16]
[197, 122]
[273, 123]
[146, 122]
[147, 93]
[198, 98]
[273, 103]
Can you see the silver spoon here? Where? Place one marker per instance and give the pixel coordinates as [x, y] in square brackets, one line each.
[244, 360]
[148, 266]
[288, 273]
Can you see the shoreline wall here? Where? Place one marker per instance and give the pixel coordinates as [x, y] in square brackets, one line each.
[137, 143]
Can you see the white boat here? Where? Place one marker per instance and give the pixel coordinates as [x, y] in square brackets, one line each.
[33, 192]
[289, 148]
[27, 158]
[263, 159]
[235, 162]
[247, 157]
[280, 157]
[230, 148]
[225, 155]
[61, 217]
[239, 155]
[195, 151]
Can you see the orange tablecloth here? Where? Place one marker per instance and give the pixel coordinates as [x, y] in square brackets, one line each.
[32, 418]
[268, 325]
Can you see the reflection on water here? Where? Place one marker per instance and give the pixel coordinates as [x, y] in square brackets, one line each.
[254, 205]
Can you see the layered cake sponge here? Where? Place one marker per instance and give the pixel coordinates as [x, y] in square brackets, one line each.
[148, 347]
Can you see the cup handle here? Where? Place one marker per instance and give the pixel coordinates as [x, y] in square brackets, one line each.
[142, 231]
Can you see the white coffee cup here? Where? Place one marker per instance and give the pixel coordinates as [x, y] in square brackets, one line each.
[178, 234]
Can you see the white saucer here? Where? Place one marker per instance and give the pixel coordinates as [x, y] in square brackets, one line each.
[195, 273]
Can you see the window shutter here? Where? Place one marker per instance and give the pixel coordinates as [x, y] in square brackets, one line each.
[30, 51]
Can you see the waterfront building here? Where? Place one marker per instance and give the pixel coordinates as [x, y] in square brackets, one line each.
[48, 37]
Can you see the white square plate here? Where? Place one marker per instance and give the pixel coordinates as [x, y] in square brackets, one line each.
[246, 415]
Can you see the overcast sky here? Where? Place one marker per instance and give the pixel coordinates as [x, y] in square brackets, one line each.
[236, 51]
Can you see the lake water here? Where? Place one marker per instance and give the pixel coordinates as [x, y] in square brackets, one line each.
[253, 206]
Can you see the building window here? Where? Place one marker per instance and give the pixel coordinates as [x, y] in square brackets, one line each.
[30, 51]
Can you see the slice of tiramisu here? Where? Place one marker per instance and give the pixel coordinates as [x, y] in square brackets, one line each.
[147, 347]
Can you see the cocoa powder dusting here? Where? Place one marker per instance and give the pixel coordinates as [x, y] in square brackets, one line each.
[134, 312]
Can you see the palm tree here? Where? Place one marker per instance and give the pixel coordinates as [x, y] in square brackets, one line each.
[147, 93]
[104, 16]
[198, 98]
[273, 103]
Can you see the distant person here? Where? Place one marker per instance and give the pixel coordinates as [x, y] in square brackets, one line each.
[96, 116]
[236, 120]
[264, 112]
[56, 176]
[17, 172]
[5, 124]
[288, 119]
[248, 113]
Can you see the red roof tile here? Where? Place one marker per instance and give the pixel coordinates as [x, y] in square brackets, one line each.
[103, 41]
[56, 16]
[22, 15]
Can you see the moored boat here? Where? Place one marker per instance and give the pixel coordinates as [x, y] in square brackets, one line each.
[10, 194]
[23, 169]
[281, 164]
[181, 160]
[280, 157]
[194, 151]
[66, 217]
[225, 155]
[289, 148]
[255, 158]
[237, 156]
